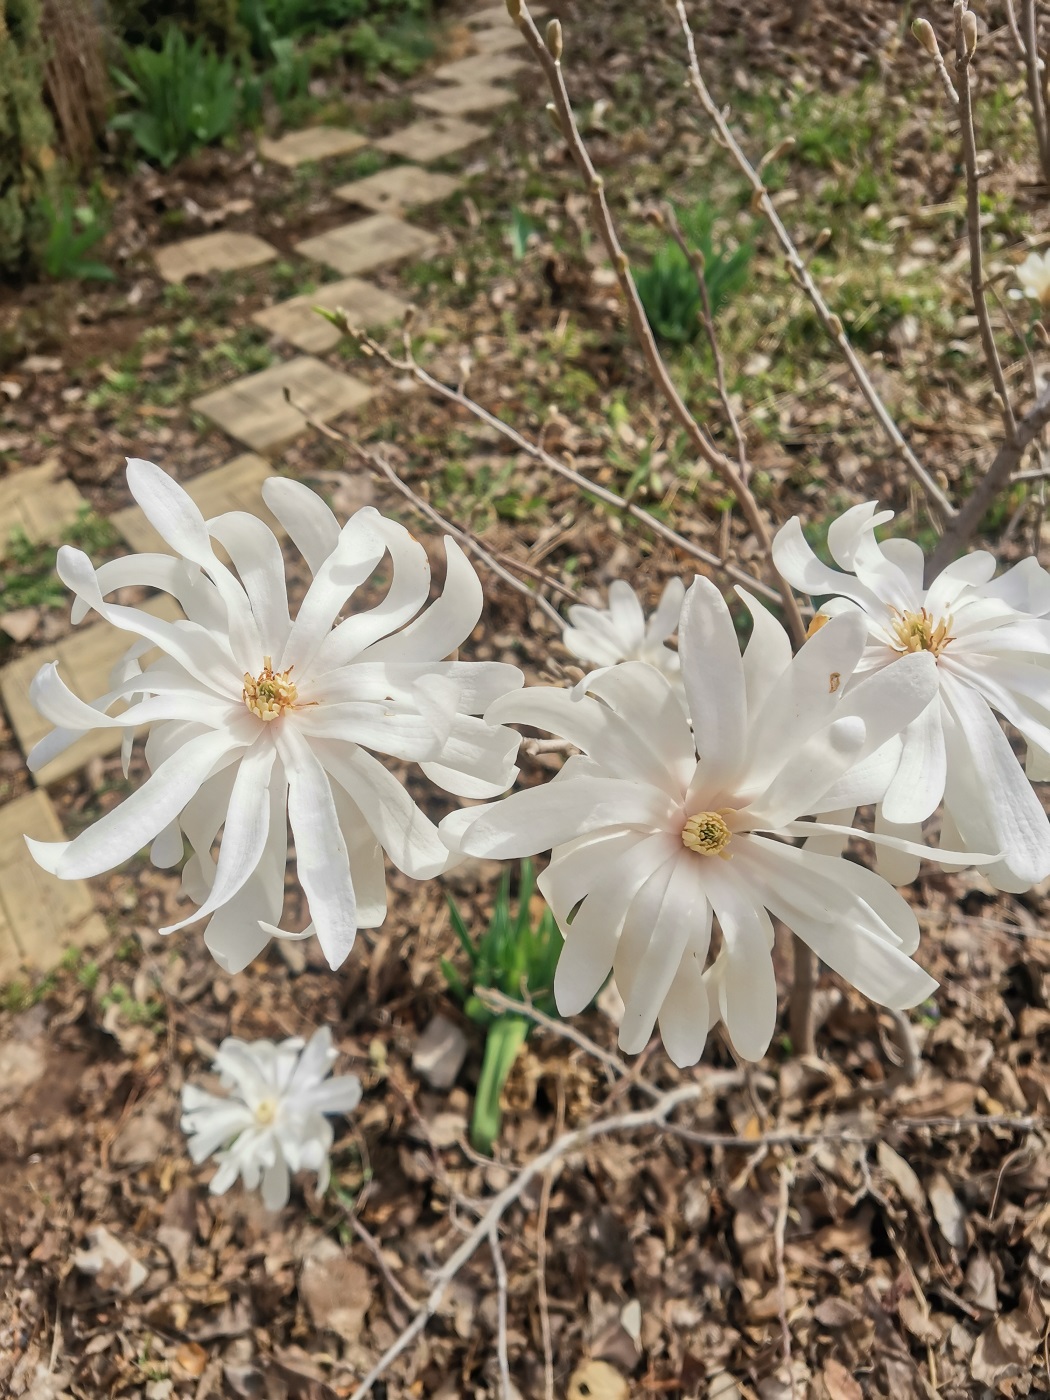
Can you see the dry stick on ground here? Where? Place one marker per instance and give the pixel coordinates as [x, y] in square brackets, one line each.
[549, 54]
[539, 454]
[501, 1315]
[779, 1231]
[696, 261]
[940, 505]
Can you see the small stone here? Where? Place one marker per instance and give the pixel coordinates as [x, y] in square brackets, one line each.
[312, 144]
[498, 16]
[439, 1053]
[497, 40]
[400, 187]
[116, 1269]
[464, 97]
[256, 411]
[20, 624]
[297, 321]
[40, 501]
[480, 68]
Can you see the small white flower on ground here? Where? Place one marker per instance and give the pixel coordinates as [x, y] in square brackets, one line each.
[272, 1122]
[991, 645]
[259, 721]
[603, 636]
[658, 830]
[1034, 278]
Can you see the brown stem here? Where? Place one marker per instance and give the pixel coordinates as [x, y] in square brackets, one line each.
[1035, 89]
[801, 1024]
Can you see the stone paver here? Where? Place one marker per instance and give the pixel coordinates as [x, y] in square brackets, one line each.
[40, 916]
[40, 501]
[498, 17]
[236, 485]
[367, 243]
[508, 36]
[297, 322]
[254, 409]
[85, 659]
[481, 68]
[313, 143]
[400, 187]
[213, 252]
[432, 138]
[457, 99]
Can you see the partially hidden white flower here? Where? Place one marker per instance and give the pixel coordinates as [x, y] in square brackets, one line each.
[1034, 278]
[660, 830]
[991, 645]
[272, 1122]
[603, 636]
[259, 721]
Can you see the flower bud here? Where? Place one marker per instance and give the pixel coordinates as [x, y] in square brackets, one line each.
[923, 31]
[554, 40]
[969, 32]
[514, 9]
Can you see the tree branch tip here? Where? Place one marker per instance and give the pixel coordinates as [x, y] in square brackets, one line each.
[555, 40]
[924, 32]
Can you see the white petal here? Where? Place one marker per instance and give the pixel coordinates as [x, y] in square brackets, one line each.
[443, 627]
[713, 675]
[257, 557]
[310, 524]
[685, 1015]
[321, 859]
[353, 560]
[918, 784]
[767, 655]
[749, 988]
[797, 563]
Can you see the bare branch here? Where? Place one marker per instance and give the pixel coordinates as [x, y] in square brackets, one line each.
[702, 444]
[696, 261]
[940, 504]
[552, 463]
[963, 55]
[1030, 48]
[506, 1390]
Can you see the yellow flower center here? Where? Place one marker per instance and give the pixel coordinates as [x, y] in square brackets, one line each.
[271, 692]
[919, 632]
[266, 1112]
[818, 621]
[706, 833]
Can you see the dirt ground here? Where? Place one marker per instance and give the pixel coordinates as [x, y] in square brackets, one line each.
[809, 1228]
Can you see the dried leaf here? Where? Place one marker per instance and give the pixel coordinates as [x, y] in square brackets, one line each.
[336, 1290]
[948, 1211]
[838, 1382]
[597, 1380]
[903, 1177]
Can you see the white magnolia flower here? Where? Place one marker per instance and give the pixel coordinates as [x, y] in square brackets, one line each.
[259, 721]
[273, 1122]
[659, 833]
[991, 646]
[1034, 277]
[603, 636]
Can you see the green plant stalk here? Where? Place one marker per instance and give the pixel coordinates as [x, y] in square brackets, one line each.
[506, 1036]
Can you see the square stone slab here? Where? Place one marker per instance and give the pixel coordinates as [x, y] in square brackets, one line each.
[367, 243]
[480, 68]
[85, 659]
[39, 501]
[314, 143]
[254, 409]
[400, 187]
[214, 252]
[297, 322]
[236, 485]
[507, 36]
[40, 916]
[431, 139]
[453, 101]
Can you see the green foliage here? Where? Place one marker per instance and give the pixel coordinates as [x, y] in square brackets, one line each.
[185, 96]
[73, 229]
[146, 22]
[521, 230]
[26, 134]
[268, 20]
[668, 286]
[28, 576]
[519, 960]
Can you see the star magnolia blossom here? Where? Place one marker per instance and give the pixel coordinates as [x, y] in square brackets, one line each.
[258, 721]
[659, 833]
[1034, 277]
[991, 644]
[274, 1117]
[603, 636]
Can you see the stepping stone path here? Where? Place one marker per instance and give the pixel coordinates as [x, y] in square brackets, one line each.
[39, 915]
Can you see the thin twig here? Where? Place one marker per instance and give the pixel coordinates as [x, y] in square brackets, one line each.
[1003, 465]
[779, 1231]
[499, 1001]
[658, 371]
[375, 1249]
[963, 55]
[541, 1261]
[940, 503]
[539, 454]
[696, 261]
[1035, 88]
[1011, 20]
[501, 1312]
[655, 1116]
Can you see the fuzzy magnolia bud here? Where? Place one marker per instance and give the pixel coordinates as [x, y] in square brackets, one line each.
[969, 32]
[514, 9]
[554, 40]
[923, 31]
[552, 112]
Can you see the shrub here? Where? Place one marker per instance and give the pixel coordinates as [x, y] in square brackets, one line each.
[185, 95]
[26, 133]
[72, 229]
[668, 287]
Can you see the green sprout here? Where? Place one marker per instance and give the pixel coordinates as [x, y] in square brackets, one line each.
[513, 957]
